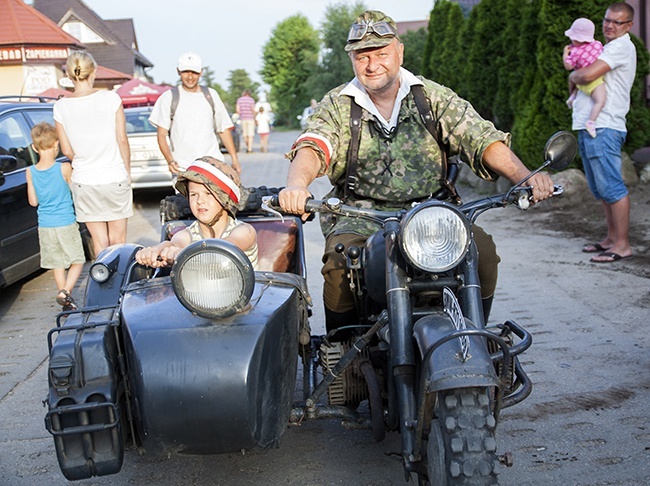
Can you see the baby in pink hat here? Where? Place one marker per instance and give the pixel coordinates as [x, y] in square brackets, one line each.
[582, 52]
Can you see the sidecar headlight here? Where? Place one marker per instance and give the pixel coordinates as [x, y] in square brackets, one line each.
[434, 237]
[213, 278]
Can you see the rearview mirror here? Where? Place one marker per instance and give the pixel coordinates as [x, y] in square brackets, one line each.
[560, 150]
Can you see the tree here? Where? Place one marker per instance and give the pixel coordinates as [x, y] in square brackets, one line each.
[238, 81]
[638, 119]
[414, 44]
[543, 110]
[288, 60]
[433, 61]
[485, 51]
[335, 67]
[207, 79]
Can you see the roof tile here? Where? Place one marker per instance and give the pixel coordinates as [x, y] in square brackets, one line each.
[22, 24]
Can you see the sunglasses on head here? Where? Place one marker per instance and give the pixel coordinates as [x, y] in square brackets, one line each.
[358, 31]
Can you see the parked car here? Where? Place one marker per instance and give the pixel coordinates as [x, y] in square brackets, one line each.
[148, 165]
[236, 134]
[19, 247]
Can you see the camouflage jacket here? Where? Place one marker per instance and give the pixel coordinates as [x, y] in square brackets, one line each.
[396, 169]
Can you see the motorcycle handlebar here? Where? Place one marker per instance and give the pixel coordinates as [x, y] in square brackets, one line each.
[522, 197]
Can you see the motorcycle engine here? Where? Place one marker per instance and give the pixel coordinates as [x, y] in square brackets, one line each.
[350, 388]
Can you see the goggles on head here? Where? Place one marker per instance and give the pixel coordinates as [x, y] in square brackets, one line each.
[382, 29]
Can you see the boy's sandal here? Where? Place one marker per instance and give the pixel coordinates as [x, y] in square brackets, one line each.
[66, 301]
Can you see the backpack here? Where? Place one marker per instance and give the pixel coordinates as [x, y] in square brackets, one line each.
[176, 98]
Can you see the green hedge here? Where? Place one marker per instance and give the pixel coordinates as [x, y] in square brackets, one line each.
[506, 59]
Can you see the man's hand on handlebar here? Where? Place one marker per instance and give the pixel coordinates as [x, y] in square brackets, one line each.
[542, 186]
[293, 200]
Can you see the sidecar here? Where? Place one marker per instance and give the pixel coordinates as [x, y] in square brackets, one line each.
[197, 359]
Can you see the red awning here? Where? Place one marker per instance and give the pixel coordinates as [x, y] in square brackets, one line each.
[136, 92]
[55, 93]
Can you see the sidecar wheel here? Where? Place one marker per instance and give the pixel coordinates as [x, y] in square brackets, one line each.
[461, 448]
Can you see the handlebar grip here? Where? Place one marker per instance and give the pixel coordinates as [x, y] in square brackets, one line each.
[310, 205]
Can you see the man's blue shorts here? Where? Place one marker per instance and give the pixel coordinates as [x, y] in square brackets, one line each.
[601, 160]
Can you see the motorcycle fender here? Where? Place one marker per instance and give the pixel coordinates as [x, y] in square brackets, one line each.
[445, 368]
[206, 386]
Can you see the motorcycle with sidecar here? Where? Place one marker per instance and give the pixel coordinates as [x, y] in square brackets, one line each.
[202, 357]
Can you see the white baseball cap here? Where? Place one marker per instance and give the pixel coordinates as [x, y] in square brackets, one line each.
[190, 62]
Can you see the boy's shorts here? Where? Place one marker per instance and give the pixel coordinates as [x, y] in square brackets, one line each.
[61, 246]
[589, 88]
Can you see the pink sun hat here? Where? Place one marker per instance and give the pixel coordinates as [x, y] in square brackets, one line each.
[582, 30]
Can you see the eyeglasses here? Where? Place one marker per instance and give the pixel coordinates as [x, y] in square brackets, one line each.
[358, 31]
[617, 23]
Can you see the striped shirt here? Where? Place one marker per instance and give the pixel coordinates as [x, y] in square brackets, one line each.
[246, 108]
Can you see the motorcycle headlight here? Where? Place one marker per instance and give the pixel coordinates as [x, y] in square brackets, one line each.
[213, 278]
[434, 237]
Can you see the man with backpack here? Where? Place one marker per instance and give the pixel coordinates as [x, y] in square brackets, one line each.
[189, 117]
[383, 141]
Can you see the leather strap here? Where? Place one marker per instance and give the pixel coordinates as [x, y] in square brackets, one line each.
[353, 149]
[427, 118]
[426, 115]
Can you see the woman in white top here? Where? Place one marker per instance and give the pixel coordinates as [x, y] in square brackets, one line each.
[92, 132]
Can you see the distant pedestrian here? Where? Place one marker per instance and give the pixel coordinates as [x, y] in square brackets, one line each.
[263, 102]
[306, 113]
[190, 117]
[58, 232]
[582, 52]
[263, 122]
[245, 108]
[91, 127]
[601, 156]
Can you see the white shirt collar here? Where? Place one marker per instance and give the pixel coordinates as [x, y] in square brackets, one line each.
[356, 90]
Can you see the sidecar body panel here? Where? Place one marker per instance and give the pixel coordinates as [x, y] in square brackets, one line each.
[445, 370]
[83, 375]
[211, 386]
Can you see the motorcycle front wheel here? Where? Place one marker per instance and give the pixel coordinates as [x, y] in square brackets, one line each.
[461, 448]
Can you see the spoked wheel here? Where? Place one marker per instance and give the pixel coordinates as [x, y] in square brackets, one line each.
[461, 448]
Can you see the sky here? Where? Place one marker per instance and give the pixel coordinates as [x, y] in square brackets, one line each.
[225, 35]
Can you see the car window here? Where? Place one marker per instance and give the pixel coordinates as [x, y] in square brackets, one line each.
[15, 140]
[38, 116]
[138, 122]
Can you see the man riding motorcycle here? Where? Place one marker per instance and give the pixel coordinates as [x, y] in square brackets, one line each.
[382, 149]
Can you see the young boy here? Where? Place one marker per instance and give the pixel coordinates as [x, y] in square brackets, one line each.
[58, 232]
[213, 189]
[582, 52]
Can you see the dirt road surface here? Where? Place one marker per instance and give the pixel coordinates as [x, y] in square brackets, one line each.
[587, 421]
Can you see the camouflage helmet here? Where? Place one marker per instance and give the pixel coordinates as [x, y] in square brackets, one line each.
[371, 29]
[220, 179]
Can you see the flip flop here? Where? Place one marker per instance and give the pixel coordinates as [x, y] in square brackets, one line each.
[610, 254]
[594, 248]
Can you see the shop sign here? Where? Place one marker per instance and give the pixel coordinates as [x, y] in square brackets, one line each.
[25, 54]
